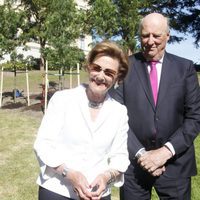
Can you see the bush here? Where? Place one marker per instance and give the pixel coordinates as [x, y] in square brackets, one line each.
[197, 67]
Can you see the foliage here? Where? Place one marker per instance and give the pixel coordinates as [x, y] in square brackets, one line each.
[56, 61]
[12, 66]
[190, 20]
[64, 27]
[20, 64]
[119, 19]
[53, 24]
[10, 21]
[116, 20]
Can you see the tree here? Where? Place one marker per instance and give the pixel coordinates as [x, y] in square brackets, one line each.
[9, 26]
[119, 19]
[114, 20]
[190, 19]
[49, 23]
[64, 27]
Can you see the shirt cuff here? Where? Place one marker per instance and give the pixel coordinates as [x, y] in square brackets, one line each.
[119, 181]
[140, 152]
[170, 147]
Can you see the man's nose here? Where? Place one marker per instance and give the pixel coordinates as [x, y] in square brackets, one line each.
[151, 40]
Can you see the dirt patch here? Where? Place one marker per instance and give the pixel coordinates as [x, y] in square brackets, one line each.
[20, 105]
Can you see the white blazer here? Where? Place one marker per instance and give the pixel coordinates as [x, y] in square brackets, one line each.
[67, 135]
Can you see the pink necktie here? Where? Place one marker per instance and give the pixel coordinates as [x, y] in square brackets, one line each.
[154, 80]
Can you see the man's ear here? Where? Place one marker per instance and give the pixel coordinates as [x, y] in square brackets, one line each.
[168, 36]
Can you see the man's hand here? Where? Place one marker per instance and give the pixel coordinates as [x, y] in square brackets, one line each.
[153, 161]
[158, 171]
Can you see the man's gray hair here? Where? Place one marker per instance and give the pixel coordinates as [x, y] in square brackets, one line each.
[167, 29]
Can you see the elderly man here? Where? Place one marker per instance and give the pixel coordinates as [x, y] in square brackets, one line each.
[162, 95]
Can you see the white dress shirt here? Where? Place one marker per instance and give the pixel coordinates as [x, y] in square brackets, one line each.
[68, 135]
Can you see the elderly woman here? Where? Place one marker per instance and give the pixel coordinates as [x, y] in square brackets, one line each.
[81, 144]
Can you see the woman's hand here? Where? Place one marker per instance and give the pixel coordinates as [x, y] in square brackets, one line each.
[80, 184]
[99, 185]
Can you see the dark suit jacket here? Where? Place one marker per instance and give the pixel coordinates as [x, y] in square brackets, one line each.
[176, 117]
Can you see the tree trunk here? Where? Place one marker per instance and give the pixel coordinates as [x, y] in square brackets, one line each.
[42, 58]
[42, 63]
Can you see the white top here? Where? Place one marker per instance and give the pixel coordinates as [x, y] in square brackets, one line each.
[68, 135]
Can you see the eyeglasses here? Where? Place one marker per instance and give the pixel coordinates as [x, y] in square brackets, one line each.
[108, 72]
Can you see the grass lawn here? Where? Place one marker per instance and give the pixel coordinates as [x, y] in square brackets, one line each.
[36, 78]
[18, 165]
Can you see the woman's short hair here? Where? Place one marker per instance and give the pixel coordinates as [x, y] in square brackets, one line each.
[111, 49]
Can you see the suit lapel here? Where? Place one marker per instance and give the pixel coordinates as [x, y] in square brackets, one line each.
[142, 72]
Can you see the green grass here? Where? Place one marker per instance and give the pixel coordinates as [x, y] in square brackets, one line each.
[36, 78]
[18, 165]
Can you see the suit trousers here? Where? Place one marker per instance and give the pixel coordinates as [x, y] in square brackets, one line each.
[138, 186]
[45, 194]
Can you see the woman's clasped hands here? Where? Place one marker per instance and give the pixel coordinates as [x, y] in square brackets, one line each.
[83, 189]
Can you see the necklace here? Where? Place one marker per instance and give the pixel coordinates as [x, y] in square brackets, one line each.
[95, 105]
